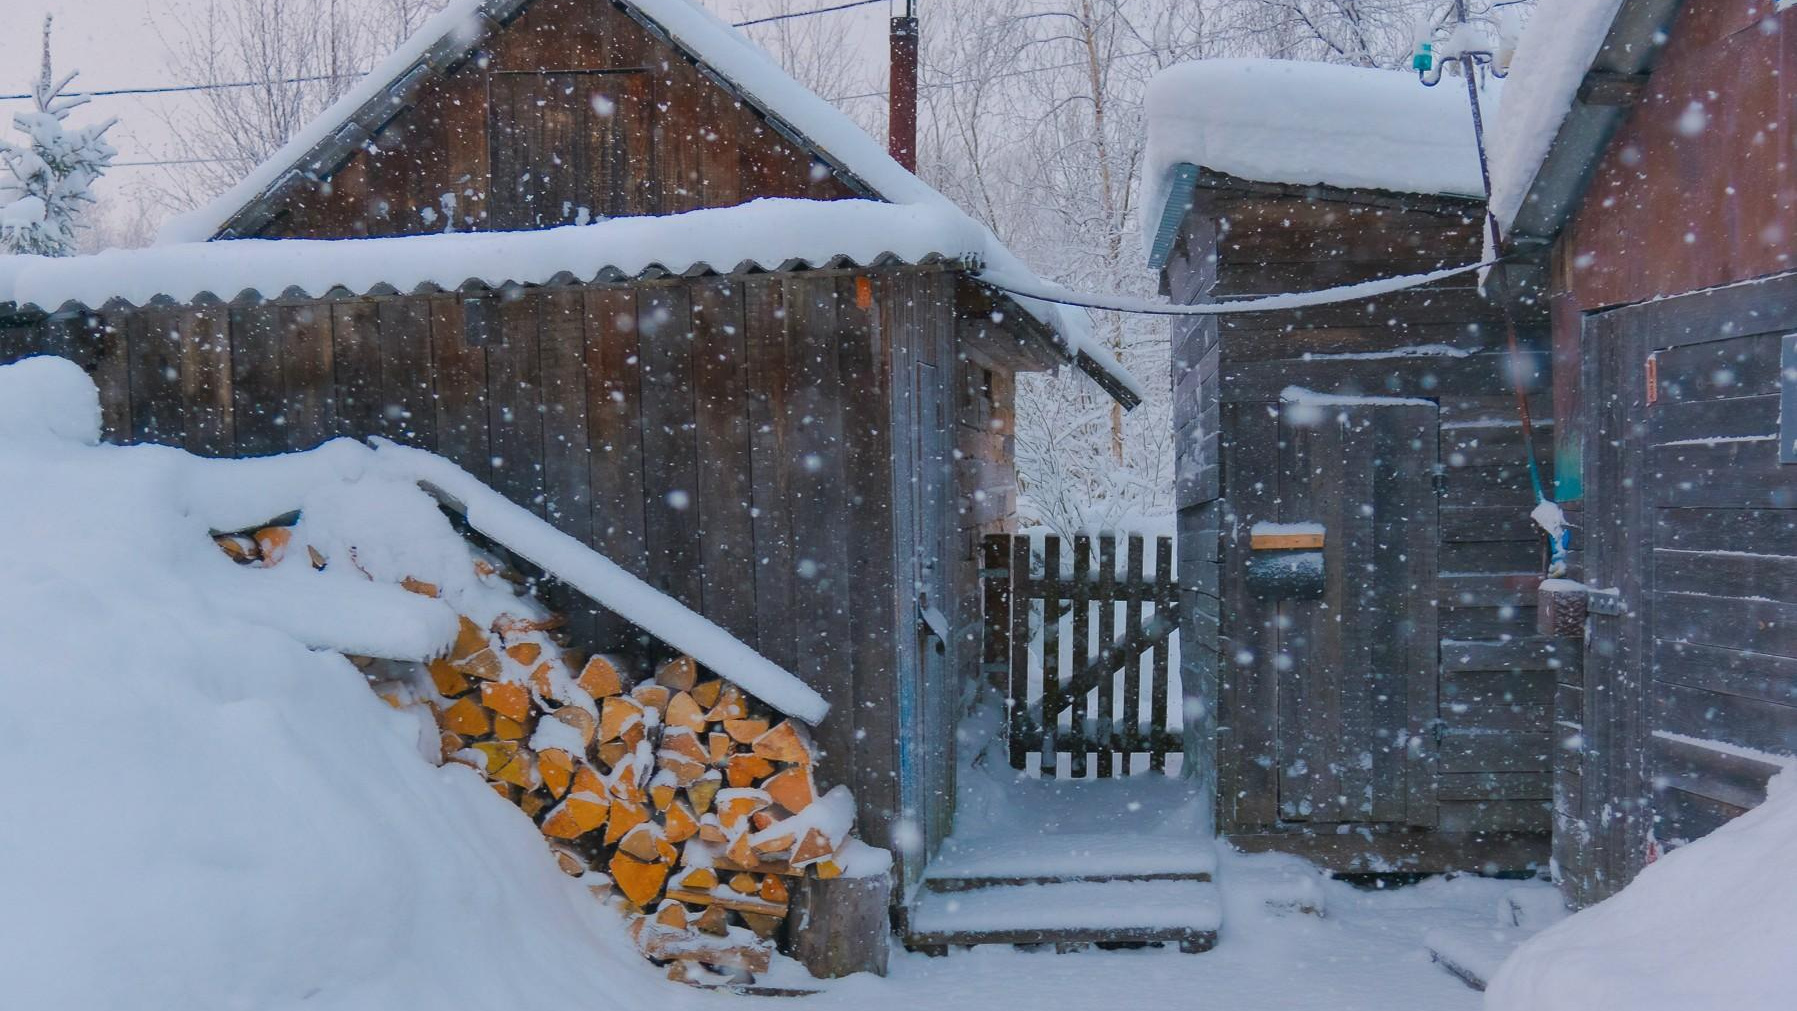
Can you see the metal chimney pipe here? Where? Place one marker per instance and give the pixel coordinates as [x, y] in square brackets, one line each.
[902, 127]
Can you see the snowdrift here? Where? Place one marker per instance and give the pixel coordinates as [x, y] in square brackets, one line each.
[206, 807]
[1710, 925]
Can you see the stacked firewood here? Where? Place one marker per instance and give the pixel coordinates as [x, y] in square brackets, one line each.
[681, 799]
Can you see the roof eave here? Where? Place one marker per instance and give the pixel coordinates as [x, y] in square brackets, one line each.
[1616, 76]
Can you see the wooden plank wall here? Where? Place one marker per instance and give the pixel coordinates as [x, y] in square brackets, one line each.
[1496, 688]
[730, 440]
[1191, 273]
[573, 105]
[1694, 520]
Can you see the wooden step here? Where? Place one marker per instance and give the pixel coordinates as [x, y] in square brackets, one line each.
[960, 883]
[1178, 911]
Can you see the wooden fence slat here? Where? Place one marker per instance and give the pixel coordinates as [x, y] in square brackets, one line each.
[1163, 583]
[1132, 672]
[995, 582]
[1107, 632]
[1013, 590]
[1021, 605]
[1082, 599]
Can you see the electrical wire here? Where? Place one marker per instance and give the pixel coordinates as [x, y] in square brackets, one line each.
[172, 89]
[1356, 292]
[805, 14]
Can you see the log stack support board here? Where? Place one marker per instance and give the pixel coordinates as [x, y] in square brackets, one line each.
[680, 798]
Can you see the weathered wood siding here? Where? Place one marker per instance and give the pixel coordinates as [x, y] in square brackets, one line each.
[573, 107]
[754, 446]
[1478, 710]
[1693, 520]
[1693, 192]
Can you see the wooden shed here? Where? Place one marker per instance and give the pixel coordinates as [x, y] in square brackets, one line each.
[1356, 553]
[1660, 219]
[608, 258]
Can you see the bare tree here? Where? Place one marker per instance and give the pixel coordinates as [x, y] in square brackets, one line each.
[268, 68]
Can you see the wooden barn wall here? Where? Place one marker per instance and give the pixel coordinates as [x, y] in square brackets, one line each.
[1691, 193]
[733, 441]
[1693, 519]
[1696, 188]
[1487, 721]
[574, 105]
[1680, 203]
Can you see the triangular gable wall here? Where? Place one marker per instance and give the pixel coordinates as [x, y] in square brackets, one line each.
[572, 111]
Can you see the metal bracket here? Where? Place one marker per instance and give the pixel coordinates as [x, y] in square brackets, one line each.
[936, 621]
[1606, 602]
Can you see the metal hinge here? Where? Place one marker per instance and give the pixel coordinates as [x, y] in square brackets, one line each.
[1606, 602]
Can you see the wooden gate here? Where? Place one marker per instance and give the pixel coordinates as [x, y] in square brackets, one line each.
[1080, 644]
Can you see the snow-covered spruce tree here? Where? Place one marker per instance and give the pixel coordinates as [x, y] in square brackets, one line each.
[47, 183]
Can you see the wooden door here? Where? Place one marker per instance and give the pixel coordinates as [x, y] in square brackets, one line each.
[1356, 669]
[1690, 665]
[569, 147]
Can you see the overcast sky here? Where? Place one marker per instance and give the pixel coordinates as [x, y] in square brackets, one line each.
[114, 43]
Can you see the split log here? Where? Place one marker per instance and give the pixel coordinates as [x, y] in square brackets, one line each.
[449, 682]
[788, 742]
[639, 881]
[468, 718]
[468, 641]
[602, 677]
[418, 586]
[507, 698]
[679, 674]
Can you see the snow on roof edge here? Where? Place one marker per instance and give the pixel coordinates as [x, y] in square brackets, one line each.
[604, 581]
[724, 49]
[1303, 123]
[1558, 46]
[768, 234]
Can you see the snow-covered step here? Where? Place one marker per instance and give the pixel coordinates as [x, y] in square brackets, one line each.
[1175, 911]
[1043, 858]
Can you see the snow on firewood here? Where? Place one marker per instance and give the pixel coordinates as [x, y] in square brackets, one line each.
[265, 831]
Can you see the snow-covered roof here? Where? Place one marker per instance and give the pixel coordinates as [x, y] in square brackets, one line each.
[763, 234]
[450, 35]
[1305, 124]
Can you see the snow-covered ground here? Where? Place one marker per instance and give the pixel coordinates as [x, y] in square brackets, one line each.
[1366, 952]
[206, 806]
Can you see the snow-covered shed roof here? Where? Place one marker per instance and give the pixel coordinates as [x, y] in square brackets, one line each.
[761, 235]
[449, 37]
[1567, 92]
[1302, 124]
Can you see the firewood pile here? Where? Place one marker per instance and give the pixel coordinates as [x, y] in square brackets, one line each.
[678, 797]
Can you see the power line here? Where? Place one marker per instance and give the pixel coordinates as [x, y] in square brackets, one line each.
[175, 88]
[172, 89]
[931, 85]
[805, 14]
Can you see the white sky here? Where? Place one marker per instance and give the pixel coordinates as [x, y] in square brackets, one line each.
[114, 44]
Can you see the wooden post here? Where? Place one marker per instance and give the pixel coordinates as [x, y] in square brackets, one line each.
[840, 926]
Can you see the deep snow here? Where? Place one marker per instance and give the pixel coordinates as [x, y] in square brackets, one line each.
[1709, 925]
